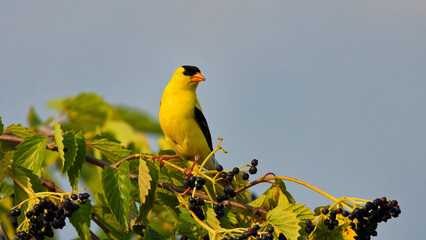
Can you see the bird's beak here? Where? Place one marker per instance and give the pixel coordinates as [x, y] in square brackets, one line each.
[198, 78]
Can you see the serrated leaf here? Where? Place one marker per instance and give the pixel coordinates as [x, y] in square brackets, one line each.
[144, 180]
[74, 170]
[116, 184]
[19, 130]
[211, 218]
[113, 151]
[81, 220]
[30, 153]
[348, 233]
[67, 147]
[149, 201]
[285, 221]
[32, 118]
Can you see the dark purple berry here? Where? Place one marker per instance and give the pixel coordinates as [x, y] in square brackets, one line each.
[186, 182]
[308, 223]
[236, 170]
[253, 170]
[324, 211]
[254, 162]
[282, 237]
[199, 202]
[29, 214]
[246, 176]
[74, 196]
[256, 227]
[191, 200]
[223, 175]
[201, 180]
[219, 199]
[184, 238]
[271, 229]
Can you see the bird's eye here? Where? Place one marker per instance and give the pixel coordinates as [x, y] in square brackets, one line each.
[185, 73]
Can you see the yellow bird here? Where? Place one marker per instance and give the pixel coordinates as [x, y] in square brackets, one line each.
[182, 119]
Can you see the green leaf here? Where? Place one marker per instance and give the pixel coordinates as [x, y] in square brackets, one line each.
[144, 179]
[285, 221]
[5, 190]
[113, 151]
[211, 218]
[75, 169]
[81, 220]
[67, 147]
[19, 130]
[4, 164]
[25, 181]
[273, 196]
[32, 118]
[149, 201]
[139, 119]
[116, 184]
[30, 153]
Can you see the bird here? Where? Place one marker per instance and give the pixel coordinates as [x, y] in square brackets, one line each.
[182, 120]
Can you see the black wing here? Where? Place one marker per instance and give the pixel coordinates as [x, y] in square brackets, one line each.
[202, 122]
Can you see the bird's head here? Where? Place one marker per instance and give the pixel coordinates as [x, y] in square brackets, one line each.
[187, 77]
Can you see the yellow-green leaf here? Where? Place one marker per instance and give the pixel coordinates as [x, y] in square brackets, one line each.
[19, 130]
[30, 153]
[285, 221]
[32, 118]
[113, 151]
[144, 180]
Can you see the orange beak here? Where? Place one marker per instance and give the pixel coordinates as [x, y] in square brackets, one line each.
[198, 77]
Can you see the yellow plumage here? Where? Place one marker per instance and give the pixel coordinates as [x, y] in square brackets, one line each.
[181, 117]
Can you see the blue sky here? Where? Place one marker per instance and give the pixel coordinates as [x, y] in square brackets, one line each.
[329, 92]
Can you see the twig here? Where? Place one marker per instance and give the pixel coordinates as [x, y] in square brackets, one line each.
[167, 186]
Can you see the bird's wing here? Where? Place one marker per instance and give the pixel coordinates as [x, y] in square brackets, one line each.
[202, 123]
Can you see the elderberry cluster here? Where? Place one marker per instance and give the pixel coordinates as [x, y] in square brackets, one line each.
[197, 182]
[46, 215]
[364, 221]
[253, 232]
[195, 206]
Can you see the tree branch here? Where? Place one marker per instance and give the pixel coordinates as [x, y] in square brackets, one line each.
[8, 137]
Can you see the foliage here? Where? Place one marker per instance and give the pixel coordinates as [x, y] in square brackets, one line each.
[144, 195]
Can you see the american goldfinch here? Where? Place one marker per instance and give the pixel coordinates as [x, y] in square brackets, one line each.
[182, 119]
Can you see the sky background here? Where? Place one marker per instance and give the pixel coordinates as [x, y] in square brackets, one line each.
[329, 92]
